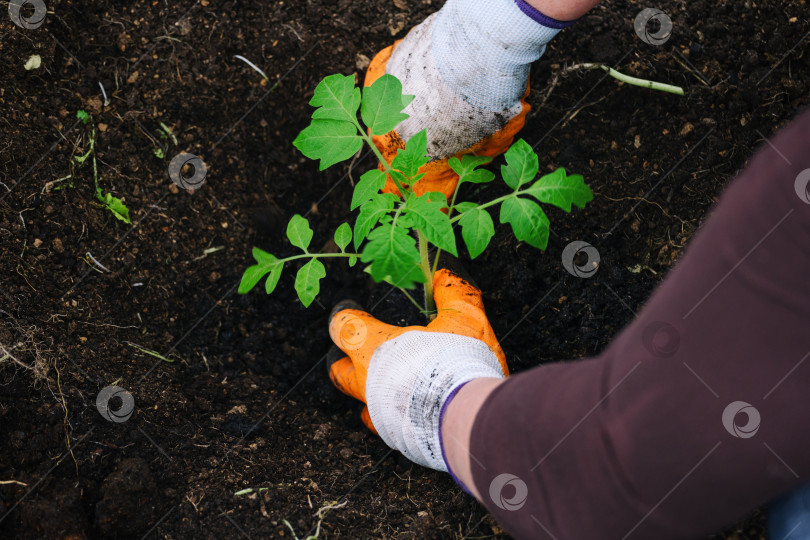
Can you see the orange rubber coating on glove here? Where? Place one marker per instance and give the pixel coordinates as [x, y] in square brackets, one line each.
[438, 174]
[358, 334]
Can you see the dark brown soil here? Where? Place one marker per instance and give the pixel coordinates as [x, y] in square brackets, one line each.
[245, 402]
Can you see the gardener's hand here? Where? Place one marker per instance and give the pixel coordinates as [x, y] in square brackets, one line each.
[467, 66]
[406, 375]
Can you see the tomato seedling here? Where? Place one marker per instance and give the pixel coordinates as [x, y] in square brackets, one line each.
[392, 233]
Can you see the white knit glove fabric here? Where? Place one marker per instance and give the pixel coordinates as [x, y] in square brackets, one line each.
[409, 380]
[467, 65]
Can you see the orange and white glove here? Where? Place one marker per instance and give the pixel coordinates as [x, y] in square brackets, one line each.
[468, 67]
[406, 376]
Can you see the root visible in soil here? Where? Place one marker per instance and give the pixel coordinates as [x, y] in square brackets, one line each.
[25, 347]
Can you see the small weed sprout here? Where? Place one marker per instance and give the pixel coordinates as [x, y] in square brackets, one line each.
[106, 200]
[392, 233]
[150, 352]
[165, 135]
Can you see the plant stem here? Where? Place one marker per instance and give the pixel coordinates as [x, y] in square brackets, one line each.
[490, 203]
[412, 299]
[430, 305]
[453, 200]
[92, 153]
[635, 81]
[493, 202]
[449, 213]
[405, 192]
[319, 255]
[95, 167]
[436, 261]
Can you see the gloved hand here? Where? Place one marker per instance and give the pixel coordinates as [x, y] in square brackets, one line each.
[407, 375]
[468, 67]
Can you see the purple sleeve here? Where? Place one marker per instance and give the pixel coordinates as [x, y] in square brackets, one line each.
[699, 410]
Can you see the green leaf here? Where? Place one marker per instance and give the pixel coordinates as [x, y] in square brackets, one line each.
[367, 187]
[382, 105]
[83, 116]
[337, 98]
[298, 232]
[253, 274]
[465, 206]
[521, 164]
[404, 180]
[477, 230]
[263, 258]
[116, 206]
[409, 159]
[466, 170]
[352, 261]
[82, 159]
[308, 281]
[273, 277]
[561, 190]
[343, 235]
[251, 277]
[331, 141]
[367, 270]
[529, 222]
[394, 256]
[371, 213]
[427, 215]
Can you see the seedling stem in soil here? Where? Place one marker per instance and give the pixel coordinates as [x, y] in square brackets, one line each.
[635, 81]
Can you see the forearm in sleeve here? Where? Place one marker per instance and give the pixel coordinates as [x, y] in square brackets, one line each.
[657, 436]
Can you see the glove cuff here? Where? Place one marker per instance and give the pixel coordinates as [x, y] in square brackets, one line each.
[483, 48]
[441, 439]
[540, 18]
[411, 377]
